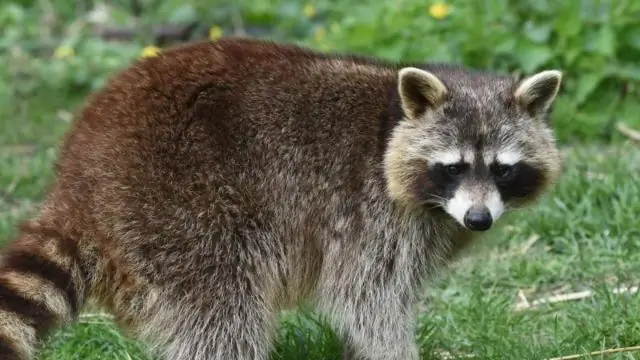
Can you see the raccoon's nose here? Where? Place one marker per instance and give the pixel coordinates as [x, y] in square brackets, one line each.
[478, 219]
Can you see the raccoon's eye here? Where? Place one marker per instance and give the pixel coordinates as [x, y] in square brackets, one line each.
[504, 172]
[454, 169]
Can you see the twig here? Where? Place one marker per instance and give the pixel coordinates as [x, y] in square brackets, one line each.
[162, 34]
[625, 130]
[49, 18]
[530, 242]
[18, 150]
[523, 299]
[602, 352]
[445, 355]
[571, 296]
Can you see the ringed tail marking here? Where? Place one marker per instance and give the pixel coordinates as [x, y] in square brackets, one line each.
[40, 289]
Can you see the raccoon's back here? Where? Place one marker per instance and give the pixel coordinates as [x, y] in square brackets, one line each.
[232, 102]
[211, 136]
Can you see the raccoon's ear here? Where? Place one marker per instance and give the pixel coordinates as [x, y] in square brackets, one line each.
[419, 90]
[537, 93]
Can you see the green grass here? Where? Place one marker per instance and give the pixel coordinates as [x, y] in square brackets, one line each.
[585, 236]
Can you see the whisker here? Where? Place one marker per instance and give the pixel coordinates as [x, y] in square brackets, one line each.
[432, 206]
[437, 197]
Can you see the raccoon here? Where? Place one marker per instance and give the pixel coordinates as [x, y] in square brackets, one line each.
[203, 190]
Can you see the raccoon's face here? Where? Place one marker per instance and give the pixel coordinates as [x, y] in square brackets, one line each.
[474, 145]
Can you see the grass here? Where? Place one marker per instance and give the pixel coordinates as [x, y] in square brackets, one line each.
[584, 235]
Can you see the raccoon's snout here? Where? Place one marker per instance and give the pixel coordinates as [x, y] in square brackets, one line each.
[474, 208]
[478, 218]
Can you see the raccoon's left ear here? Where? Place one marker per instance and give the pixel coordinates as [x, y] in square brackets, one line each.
[419, 91]
[537, 93]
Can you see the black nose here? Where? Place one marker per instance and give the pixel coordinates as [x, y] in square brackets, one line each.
[478, 219]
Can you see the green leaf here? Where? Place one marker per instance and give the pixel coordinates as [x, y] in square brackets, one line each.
[531, 56]
[538, 33]
[633, 37]
[542, 6]
[629, 72]
[441, 53]
[11, 14]
[605, 41]
[586, 84]
[393, 51]
[567, 23]
[183, 14]
[506, 46]
[571, 54]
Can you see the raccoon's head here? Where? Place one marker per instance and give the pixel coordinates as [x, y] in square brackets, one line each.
[472, 144]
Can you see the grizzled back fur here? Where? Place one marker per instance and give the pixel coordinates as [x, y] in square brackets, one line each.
[205, 189]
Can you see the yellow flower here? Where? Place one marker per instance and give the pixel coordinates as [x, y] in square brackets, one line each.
[215, 33]
[150, 51]
[320, 33]
[63, 52]
[440, 10]
[310, 10]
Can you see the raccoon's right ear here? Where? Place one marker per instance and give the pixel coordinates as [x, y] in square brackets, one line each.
[419, 91]
[537, 93]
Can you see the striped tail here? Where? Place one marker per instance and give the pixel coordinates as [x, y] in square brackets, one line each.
[41, 287]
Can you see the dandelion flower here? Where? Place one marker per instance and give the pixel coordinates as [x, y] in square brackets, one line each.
[150, 51]
[440, 10]
[63, 52]
[310, 10]
[215, 33]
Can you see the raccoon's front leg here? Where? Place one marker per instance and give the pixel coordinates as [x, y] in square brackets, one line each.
[377, 326]
[379, 332]
[218, 308]
[225, 333]
[231, 325]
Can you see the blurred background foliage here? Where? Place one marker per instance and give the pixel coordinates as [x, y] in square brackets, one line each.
[71, 47]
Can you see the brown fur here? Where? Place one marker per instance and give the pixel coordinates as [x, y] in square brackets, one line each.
[205, 189]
